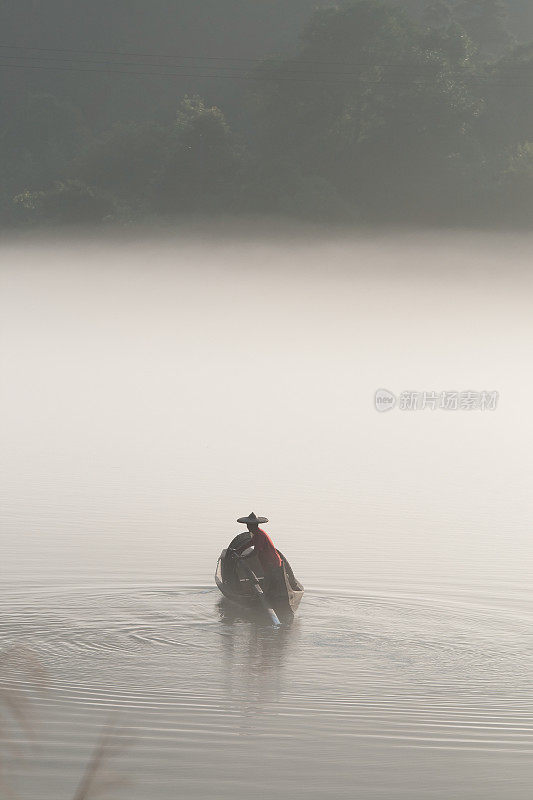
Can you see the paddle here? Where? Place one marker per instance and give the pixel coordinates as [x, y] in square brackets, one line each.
[254, 580]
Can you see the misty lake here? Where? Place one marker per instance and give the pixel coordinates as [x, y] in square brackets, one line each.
[154, 389]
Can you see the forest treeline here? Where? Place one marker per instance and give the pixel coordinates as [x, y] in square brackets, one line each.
[418, 112]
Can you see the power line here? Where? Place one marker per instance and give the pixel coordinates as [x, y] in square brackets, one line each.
[99, 62]
[128, 54]
[263, 62]
[334, 79]
[260, 61]
[170, 74]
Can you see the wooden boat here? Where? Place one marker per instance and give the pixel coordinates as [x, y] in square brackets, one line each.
[236, 578]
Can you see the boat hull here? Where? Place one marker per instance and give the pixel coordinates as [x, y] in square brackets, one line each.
[284, 593]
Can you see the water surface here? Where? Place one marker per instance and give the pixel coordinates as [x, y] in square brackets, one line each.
[152, 392]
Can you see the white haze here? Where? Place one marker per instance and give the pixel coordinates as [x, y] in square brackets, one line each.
[153, 389]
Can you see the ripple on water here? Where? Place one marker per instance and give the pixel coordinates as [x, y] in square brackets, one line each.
[407, 671]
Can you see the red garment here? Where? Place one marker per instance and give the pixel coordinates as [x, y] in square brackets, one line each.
[266, 552]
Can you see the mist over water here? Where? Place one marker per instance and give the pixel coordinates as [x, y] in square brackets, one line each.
[153, 390]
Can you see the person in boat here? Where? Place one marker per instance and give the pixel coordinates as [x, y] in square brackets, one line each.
[263, 548]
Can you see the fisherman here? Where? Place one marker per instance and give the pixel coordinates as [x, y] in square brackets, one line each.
[264, 549]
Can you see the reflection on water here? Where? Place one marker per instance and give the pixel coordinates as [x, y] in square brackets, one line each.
[253, 656]
[152, 392]
[327, 699]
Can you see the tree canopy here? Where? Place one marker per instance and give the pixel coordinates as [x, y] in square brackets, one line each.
[414, 112]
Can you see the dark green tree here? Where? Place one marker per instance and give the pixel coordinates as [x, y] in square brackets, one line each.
[485, 21]
[385, 113]
[39, 137]
[64, 203]
[437, 14]
[508, 120]
[202, 170]
[126, 159]
[521, 19]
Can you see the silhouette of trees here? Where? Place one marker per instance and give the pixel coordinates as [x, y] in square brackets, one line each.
[378, 115]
